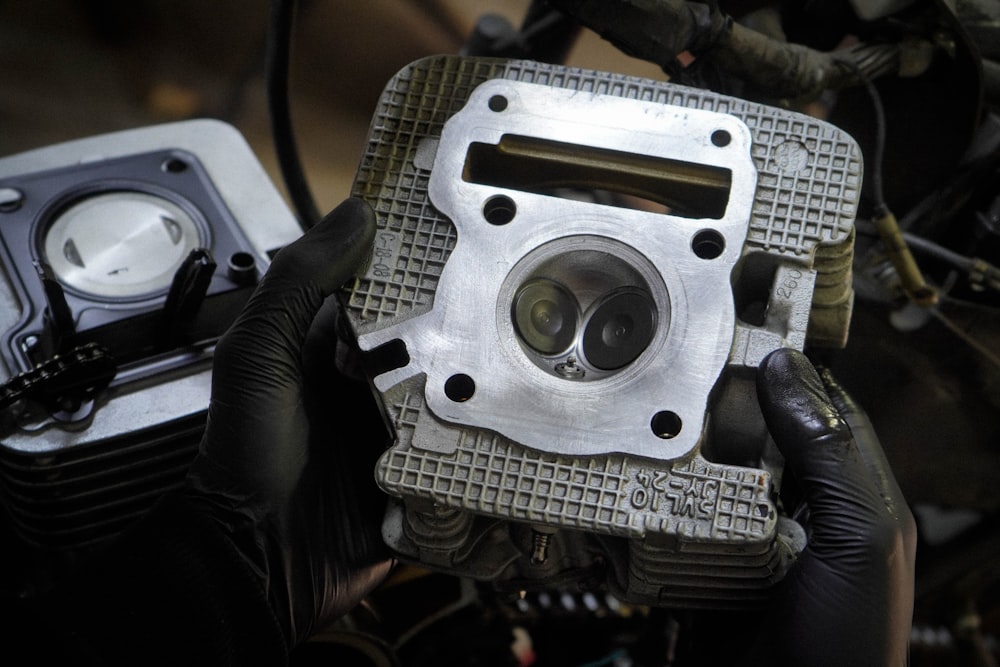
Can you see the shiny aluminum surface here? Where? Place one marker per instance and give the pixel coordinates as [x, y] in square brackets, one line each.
[470, 330]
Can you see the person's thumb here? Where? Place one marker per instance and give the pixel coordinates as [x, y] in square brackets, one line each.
[300, 277]
[257, 365]
[818, 448]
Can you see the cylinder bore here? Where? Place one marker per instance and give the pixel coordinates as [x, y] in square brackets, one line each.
[121, 244]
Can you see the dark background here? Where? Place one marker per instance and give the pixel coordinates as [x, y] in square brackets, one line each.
[74, 68]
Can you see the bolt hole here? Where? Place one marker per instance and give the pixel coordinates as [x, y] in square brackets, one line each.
[499, 210]
[708, 244]
[721, 138]
[459, 387]
[174, 166]
[665, 424]
[497, 103]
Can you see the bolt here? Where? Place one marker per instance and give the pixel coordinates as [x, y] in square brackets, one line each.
[540, 553]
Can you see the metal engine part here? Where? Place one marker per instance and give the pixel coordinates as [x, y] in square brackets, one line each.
[574, 278]
[71, 483]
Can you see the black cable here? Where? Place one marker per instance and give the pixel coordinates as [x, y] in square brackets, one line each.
[277, 59]
[911, 278]
[878, 150]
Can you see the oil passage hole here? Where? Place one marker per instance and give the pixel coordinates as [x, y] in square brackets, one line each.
[174, 166]
[708, 244]
[499, 210]
[721, 138]
[497, 103]
[459, 387]
[665, 424]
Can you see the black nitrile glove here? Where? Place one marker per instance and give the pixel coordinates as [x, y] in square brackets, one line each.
[848, 600]
[286, 464]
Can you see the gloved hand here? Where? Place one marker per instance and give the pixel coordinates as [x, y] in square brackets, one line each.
[286, 463]
[848, 600]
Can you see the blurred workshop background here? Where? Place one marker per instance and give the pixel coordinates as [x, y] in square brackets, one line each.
[75, 68]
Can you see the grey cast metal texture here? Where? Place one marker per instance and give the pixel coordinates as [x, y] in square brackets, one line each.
[680, 526]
